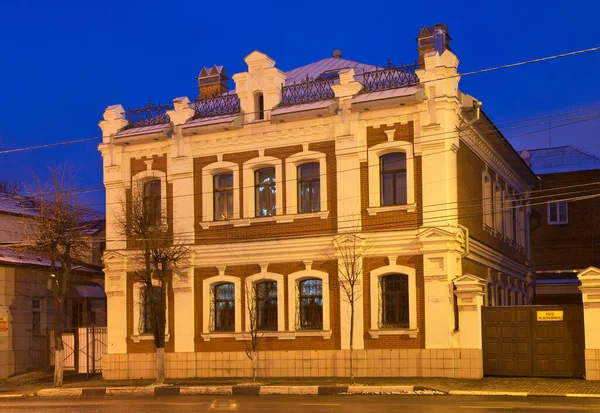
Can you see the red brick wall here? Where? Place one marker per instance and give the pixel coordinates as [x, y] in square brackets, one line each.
[570, 246]
[263, 230]
[268, 343]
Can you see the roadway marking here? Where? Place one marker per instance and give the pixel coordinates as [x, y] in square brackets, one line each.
[319, 404]
[224, 405]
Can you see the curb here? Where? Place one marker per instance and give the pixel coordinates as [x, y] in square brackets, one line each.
[12, 396]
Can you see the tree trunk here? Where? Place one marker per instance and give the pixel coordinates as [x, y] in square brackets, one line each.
[160, 365]
[59, 365]
[254, 365]
[352, 342]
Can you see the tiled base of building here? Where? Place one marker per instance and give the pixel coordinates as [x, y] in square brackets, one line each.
[592, 364]
[454, 363]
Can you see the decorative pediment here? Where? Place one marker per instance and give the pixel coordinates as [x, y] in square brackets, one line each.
[114, 261]
[589, 273]
[469, 279]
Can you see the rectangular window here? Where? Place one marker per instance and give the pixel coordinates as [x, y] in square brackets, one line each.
[148, 318]
[223, 197]
[224, 307]
[152, 207]
[558, 212]
[265, 195]
[393, 179]
[266, 305]
[309, 188]
[311, 304]
[394, 301]
[36, 326]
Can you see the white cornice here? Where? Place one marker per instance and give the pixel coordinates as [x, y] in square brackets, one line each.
[472, 138]
[489, 257]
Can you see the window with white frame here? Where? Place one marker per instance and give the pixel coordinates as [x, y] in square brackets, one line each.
[488, 218]
[391, 177]
[268, 296]
[508, 216]
[393, 294]
[558, 212]
[489, 295]
[143, 303]
[308, 171]
[221, 312]
[308, 301]
[152, 201]
[220, 192]
[309, 188]
[150, 190]
[500, 299]
[265, 192]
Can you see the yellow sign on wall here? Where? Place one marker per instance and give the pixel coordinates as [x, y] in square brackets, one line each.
[556, 315]
[3, 324]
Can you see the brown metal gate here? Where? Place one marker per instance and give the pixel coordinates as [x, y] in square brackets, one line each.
[534, 341]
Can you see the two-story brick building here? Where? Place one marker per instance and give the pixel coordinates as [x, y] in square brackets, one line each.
[565, 239]
[260, 181]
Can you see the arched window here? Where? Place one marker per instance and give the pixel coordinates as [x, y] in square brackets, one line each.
[310, 296]
[152, 202]
[265, 192]
[146, 323]
[500, 300]
[309, 188]
[394, 301]
[266, 305]
[393, 179]
[497, 205]
[223, 196]
[224, 307]
[489, 295]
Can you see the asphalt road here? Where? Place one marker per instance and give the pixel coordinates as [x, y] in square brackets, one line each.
[312, 404]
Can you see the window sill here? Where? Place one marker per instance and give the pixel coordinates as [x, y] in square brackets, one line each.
[412, 333]
[279, 219]
[147, 337]
[380, 209]
[280, 335]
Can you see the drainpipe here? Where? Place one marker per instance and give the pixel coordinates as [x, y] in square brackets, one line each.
[477, 106]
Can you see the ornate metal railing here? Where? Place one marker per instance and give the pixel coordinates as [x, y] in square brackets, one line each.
[390, 77]
[217, 106]
[308, 90]
[148, 115]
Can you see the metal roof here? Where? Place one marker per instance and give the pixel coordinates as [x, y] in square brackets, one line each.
[25, 205]
[314, 70]
[561, 159]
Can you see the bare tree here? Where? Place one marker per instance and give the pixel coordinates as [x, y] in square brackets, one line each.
[257, 298]
[157, 255]
[351, 249]
[12, 188]
[57, 231]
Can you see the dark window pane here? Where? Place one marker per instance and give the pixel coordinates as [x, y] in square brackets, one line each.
[152, 207]
[311, 304]
[394, 301]
[223, 197]
[393, 179]
[309, 195]
[563, 211]
[148, 305]
[266, 305]
[553, 212]
[224, 307]
[265, 195]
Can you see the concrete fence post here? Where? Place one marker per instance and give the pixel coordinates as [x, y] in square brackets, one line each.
[590, 290]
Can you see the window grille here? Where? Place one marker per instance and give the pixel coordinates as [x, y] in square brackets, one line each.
[265, 188]
[224, 307]
[394, 301]
[266, 305]
[311, 304]
[152, 202]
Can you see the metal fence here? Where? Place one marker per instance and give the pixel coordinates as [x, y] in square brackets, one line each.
[83, 349]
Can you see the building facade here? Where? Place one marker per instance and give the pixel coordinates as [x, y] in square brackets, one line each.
[26, 303]
[564, 237]
[268, 182]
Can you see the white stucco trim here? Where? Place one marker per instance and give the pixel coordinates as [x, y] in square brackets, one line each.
[208, 172]
[136, 336]
[377, 151]
[280, 297]
[293, 279]
[291, 168]
[375, 298]
[488, 199]
[138, 181]
[497, 208]
[207, 284]
[253, 165]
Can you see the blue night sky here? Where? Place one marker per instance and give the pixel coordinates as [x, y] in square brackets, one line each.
[64, 61]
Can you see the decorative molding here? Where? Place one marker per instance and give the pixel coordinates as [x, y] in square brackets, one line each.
[411, 333]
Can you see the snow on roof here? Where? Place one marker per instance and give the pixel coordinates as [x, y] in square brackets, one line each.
[562, 159]
[25, 205]
[9, 256]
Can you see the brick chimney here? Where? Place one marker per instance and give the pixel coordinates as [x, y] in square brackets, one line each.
[433, 38]
[212, 82]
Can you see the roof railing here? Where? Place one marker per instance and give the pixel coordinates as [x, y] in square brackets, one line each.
[148, 115]
[217, 106]
[390, 77]
[308, 90]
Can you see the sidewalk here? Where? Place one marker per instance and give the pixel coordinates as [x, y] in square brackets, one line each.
[76, 385]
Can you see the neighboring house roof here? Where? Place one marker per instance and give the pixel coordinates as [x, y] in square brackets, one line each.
[9, 256]
[560, 159]
[26, 205]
